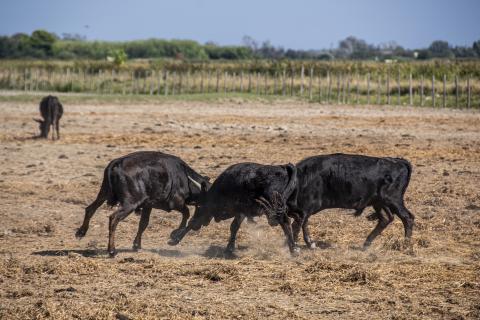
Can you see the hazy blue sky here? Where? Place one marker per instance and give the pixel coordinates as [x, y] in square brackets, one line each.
[301, 24]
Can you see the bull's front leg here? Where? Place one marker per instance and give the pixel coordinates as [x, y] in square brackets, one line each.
[237, 221]
[287, 229]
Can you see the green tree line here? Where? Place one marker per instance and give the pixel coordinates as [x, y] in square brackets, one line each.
[42, 44]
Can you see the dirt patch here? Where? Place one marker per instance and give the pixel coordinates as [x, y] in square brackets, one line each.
[44, 187]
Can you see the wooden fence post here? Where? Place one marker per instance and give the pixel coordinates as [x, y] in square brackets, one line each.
[388, 88]
[241, 81]
[433, 90]
[469, 94]
[180, 82]
[165, 83]
[266, 83]
[284, 82]
[320, 88]
[444, 102]
[348, 89]
[338, 88]
[399, 102]
[217, 86]
[329, 87]
[25, 79]
[174, 79]
[291, 82]
[410, 90]
[456, 91]
[258, 84]
[421, 91]
[357, 94]
[151, 82]
[275, 79]
[249, 81]
[301, 80]
[379, 89]
[225, 75]
[343, 89]
[368, 88]
[159, 81]
[310, 94]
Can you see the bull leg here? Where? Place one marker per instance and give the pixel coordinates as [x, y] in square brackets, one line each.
[185, 215]
[237, 221]
[57, 127]
[114, 219]
[306, 235]
[383, 222]
[407, 218]
[89, 212]
[144, 219]
[296, 225]
[287, 230]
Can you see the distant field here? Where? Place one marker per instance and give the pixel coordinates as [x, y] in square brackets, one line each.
[438, 84]
[44, 187]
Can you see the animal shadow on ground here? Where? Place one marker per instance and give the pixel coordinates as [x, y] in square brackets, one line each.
[89, 253]
[169, 252]
[218, 252]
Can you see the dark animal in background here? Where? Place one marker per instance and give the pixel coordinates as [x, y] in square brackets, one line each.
[352, 182]
[141, 181]
[51, 111]
[245, 190]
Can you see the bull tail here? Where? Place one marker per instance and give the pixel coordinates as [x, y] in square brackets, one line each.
[108, 181]
[408, 165]
[292, 181]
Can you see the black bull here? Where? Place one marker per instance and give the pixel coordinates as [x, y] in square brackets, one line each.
[245, 190]
[141, 181]
[351, 182]
[51, 110]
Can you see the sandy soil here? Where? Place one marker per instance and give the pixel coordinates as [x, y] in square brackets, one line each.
[44, 187]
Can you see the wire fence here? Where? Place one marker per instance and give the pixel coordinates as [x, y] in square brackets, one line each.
[329, 88]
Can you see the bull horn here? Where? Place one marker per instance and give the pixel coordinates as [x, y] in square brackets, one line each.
[264, 203]
[38, 120]
[198, 185]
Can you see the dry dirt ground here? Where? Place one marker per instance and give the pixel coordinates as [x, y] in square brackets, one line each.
[45, 272]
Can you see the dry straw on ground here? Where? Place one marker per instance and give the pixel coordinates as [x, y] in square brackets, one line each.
[44, 186]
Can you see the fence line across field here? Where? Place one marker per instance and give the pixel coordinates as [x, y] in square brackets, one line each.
[336, 88]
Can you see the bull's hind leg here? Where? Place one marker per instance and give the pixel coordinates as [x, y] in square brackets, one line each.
[142, 225]
[383, 222]
[114, 219]
[90, 211]
[237, 221]
[406, 216]
[57, 128]
[306, 235]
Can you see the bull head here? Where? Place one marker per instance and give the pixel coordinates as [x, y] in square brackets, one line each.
[44, 128]
[274, 210]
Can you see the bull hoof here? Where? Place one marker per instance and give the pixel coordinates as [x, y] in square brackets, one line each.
[366, 245]
[228, 254]
[175, 237]
[80, 233]
[112, 253]
[136, 247]
[295, 251]
[312, 246]
[173, 242]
